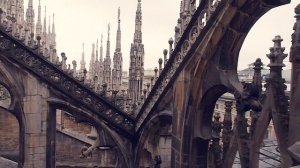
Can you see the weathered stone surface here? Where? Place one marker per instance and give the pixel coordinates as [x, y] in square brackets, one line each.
[69, 122]
[294, 121]
[9, 139]
[7, 163]
[294, 150]
[68, 151]
[35, 110]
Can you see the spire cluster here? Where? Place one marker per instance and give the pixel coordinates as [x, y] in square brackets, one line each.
[23, 26]
[101, 71]
[106, 73]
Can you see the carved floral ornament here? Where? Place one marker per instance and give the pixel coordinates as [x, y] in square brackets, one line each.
[5, 44]
[173, 64]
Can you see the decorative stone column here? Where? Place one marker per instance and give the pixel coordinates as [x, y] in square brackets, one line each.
[275, 89]
[216, 147]
[294, 119]
[227, 127]
[36, 110]
[257, 80]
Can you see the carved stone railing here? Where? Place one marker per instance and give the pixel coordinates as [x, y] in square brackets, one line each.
[198, 25]
[27, 58]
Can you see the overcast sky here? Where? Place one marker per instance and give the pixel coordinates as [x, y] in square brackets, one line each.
[83, 21]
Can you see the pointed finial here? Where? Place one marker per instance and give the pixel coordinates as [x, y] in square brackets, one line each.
[119, 13]
[39, 26]
[138, 24]
[160, 61]
[108, 43]
[108, 30]
[297, 10]
[118, 41]
[257, 79]
[49, 30]
[53, 17]
[165, 52]
[97, 51]
[30, 3]
[53, 24]
[258, 64]
[181, 6]
[93, 53]
[45, 12]
[82, 62]
[276, 55]
[74, 63]
[294, 51]
[97, 45]
[171, 41]
[155, 72]
[101, 49]
[45, 21]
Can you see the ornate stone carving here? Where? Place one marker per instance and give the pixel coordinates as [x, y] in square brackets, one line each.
[183, 45]
[227, 127]
[215, 147]
[65, 83]
[275, 88]
[248, 99]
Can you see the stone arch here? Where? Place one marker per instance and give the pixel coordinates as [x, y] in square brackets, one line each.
[96, 122]
[12, 82]
[197, 130]
[157, 124]
[9, 80]
[207, 106]
[221, 61]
